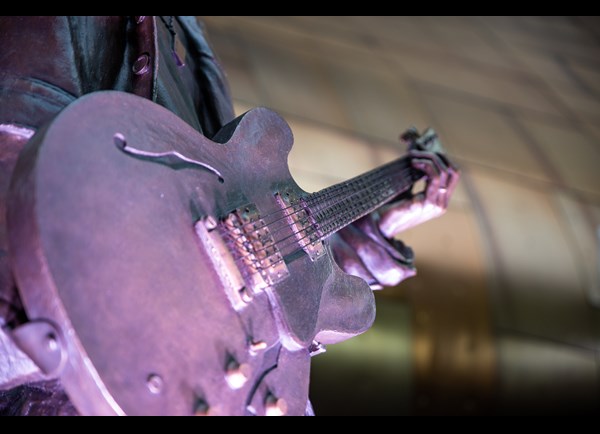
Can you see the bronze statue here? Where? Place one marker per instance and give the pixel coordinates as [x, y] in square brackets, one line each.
[261, 241]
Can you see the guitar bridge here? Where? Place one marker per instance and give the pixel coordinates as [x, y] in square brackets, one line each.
[253, 248]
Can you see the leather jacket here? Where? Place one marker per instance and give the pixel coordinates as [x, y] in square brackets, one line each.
[48, 62]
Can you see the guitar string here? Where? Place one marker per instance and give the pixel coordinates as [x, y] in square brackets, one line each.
[269, 257]
[377, 171]
[335, 188]
[309, 232]
[332, 205]
[341, 190]
[298, 207]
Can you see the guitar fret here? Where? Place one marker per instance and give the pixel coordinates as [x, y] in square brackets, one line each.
[335, 207]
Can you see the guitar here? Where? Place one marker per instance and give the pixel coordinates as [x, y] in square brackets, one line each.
[166, 273]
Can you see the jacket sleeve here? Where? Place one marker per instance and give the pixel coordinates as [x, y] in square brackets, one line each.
[216, 107]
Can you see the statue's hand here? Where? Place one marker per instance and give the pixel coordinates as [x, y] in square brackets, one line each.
[361, 250]
[441, 179]
[368, 249]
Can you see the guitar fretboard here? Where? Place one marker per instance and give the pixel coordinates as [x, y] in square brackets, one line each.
[335, 207]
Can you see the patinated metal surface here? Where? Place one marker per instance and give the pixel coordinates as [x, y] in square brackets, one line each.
[104, 248]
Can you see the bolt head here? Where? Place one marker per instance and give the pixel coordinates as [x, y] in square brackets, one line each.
[201, 407]
[154, 383]
[257, 346]
[210, 222]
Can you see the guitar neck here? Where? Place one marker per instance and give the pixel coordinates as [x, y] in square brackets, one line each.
[335, 207]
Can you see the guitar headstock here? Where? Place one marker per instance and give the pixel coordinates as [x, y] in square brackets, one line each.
[428, 141]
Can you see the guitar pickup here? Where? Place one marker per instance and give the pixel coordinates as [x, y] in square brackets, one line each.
[301, 224]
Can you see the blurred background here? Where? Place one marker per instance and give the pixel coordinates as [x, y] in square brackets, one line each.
[504, 314]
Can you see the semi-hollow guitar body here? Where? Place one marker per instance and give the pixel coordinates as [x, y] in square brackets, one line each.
[166, 273]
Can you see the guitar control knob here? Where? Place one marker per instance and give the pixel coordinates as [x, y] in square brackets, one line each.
[275, 406]
[237, 374]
